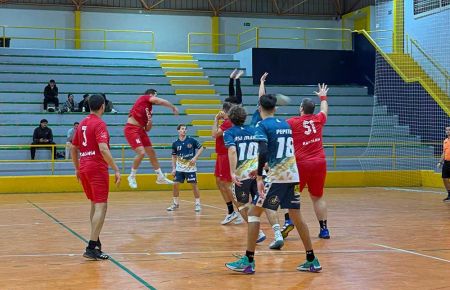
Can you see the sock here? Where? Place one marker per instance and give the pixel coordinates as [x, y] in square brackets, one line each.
[276, 228]
[197, 201]
[286, 218]
[175, 200]
[133, 172]
[323, 224]
[92, 244]
[250, 256]
[230, 207]
[310, 256]
[159, 172]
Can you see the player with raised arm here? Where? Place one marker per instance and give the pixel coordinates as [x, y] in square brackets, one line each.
[138, 123]
[91, 157]
[310, 155]
[276, 148]
[185, 153]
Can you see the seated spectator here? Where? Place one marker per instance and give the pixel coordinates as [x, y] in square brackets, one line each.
[70, 105]
[109, 106]
[42, 135]
[70, 134]
[51, 95]
[83, 106]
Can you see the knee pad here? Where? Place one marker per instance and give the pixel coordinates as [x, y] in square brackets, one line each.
[254, 219]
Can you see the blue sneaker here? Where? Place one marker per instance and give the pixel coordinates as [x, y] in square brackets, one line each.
[261, 237]
[287, 228]
[324, 234]
[242, 265]
[313, 266]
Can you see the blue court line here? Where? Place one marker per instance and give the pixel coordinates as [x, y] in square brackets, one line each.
[117, 263]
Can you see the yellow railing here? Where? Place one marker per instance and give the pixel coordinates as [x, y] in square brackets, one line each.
[57, 34]
[254, 36]
[335, 157]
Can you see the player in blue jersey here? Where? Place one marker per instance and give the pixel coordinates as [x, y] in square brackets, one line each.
[243, 156]
[276, 148]
[185, 153]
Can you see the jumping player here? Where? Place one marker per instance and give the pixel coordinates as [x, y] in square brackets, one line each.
[276, 148]
[91, 145]
[139, 121]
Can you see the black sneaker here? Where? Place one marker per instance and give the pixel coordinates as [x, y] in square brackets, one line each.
[447, 199]
[95, 254]
[101, 255]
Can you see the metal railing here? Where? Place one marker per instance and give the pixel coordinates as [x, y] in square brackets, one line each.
[335, 157]
[58, 34]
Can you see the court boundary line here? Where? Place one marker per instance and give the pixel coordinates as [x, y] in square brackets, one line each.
[412, 190]
[412, 252]
[80, 237]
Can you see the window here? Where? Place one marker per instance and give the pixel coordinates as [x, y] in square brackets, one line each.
[422, 6]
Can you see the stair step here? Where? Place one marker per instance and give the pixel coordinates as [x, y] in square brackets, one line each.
[199, 102]
[190, 82]
[179, 65]
[202, 122]
[174, 57]
[201, 111]
[204, 133]
[184, 73]
[195, 92]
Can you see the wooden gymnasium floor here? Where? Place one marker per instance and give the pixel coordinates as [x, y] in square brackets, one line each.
[381, 239]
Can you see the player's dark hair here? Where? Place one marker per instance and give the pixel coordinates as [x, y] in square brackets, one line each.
[226, 106]
[181, 125]
[268, 102]
[76, 123]
[237, 115]
[308, 106]
[150, 92]
[95, 102]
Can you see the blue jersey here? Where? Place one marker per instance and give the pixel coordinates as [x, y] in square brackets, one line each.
[278, 135]
[185, 151]
[256, 117]
[244, 139]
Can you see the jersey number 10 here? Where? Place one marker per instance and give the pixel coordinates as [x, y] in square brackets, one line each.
[251, 151]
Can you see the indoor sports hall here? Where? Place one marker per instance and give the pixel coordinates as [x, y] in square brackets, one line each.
[386, 64]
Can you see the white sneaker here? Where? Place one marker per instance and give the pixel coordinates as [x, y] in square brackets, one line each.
[113, 111]
[132, 181]
[229, 218]
[261, 237]
[278, 243]
[239, 220]
[198, 207]
[163, 180]
[173, 207]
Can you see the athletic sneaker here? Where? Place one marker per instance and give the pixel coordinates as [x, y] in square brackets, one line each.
[198, 207]
[132, 181]
[163, 180]
[324, 234]
[261, 237]
[229, 218]
[278, 243]
[242, 265]
[447, 199]
[239, 220]
[313, 266]
[95, 254]
[287, 228]
[173, 207]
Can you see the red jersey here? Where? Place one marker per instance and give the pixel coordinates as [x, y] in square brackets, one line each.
[91, 131]
[220, 144]
[142, 110]
[307, 135]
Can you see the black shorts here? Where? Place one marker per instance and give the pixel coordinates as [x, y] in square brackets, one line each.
[247, 190]
[280, 195]
[180, 176]
[446, 169]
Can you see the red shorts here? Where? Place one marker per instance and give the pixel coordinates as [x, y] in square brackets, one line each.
[223, 168]
[136, 136]
[96, 185]
[313, 173]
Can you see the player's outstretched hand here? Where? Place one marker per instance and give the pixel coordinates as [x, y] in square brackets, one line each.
[117, 178]
[323, 90]
[175, 111]
[235, 180]
[192, 162]
[263, 77]
[77, 174]
[220, 115]
[174, 172]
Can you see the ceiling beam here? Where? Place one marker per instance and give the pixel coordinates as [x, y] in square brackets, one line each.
[276, 6]
[144, 5]
[156, 4]
[226, 5]
[213, 8]
[338, 6]
[292, 7]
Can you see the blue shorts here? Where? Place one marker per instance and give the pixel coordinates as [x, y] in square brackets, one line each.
[280, 195]
[180, 176]
[248, 191]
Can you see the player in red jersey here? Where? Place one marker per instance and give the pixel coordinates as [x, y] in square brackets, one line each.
[222, 170]
[310, 155]
[91, 146]
[139, 121]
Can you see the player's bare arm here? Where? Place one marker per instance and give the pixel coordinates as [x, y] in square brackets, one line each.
[174, 164]
[197, 155]
[74, 152]
[215, 130]
[322, 94]
[262, 88]
[232, 157]
[164, 103]
[106, 153]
